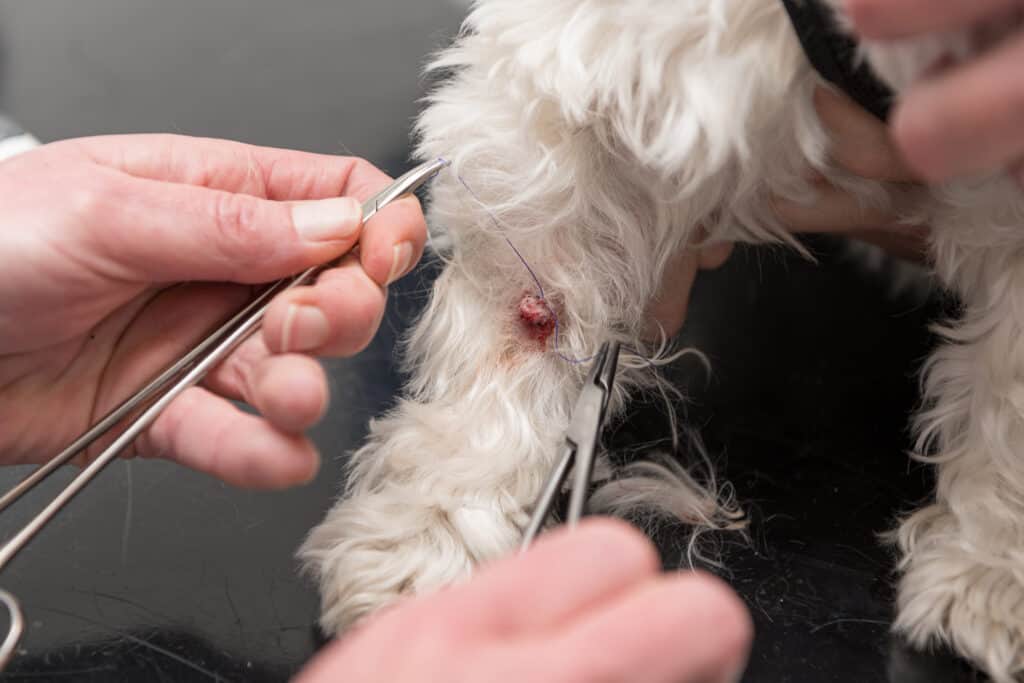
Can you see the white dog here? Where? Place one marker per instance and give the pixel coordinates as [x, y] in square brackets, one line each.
[601, 137]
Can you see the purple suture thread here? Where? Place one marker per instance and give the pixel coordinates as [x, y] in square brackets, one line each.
[533, 274]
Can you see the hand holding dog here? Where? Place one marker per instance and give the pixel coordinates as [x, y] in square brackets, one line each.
[967, 119]
[861, 145]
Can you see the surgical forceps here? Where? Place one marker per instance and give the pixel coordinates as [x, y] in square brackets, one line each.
[580, 443]
[159, 393]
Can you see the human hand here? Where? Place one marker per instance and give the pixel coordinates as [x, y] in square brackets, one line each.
[96, 234]
[667, 310]
[861, 145]
[583, 605]
[962, 120]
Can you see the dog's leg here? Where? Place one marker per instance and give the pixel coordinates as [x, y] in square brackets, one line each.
[586, 137]
[963, 564]
[447, 479]
[962, 560]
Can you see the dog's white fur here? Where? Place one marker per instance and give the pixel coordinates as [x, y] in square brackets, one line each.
[603, 134]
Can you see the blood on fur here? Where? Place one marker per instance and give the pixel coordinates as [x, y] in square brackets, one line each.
[536, 318]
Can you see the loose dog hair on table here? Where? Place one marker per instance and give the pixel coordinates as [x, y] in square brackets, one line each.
[604, 136]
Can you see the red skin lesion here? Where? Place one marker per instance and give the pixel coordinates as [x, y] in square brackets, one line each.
[536, 318]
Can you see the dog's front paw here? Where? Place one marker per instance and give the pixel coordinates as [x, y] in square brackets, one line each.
[374, 548]
[952, 593]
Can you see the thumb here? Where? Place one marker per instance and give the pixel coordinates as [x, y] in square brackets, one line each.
[167, 232]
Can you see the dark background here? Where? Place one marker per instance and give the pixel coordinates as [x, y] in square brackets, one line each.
[155, 573]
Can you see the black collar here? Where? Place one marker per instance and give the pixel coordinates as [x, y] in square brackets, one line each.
[834, 55]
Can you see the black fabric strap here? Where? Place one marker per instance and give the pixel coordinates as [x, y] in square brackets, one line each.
[834, 55]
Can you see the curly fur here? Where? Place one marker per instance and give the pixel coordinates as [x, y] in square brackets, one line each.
[603, 135]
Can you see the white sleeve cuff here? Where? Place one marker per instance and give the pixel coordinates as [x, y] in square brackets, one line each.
[14, 140]
[16, 145]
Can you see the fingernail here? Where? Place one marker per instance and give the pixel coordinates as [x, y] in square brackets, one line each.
[305, 329]
[327, 220]
[400, 261]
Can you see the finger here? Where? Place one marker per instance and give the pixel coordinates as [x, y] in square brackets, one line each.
[889, 19]
[266, 172]
[151, 231]
[290, 391]
[338, 316]
[566, 573]
[967, 120]
[832, 211]
[694, 629]
[269, 173]
[392, 242]
[233, 377]
[667, 310]
[860, 143]
[206, 433]
[714, 256]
